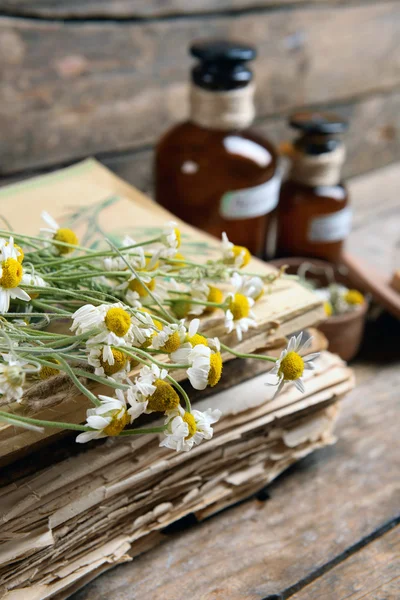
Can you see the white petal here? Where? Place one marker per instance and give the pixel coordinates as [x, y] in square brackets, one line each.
[193, 327]
[4, 301]
[20, 294]
[299, 385]
[86, 436]
[48, 219]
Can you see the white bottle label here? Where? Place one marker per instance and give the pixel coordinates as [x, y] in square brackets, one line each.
[331, 228]
[251, 202]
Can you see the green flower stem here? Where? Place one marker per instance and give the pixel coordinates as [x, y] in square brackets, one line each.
[182, 391]
[41, 423]
[95, 254]
[57, 310]
[107, 382]
[244, 355]
[76, 381]
[78, 294]
[79, 275]
[160, 364]
[205, 303]
[143, 431]
[150, 293]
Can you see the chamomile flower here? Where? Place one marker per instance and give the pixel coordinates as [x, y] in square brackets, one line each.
[108, 419]
[11, 274]
[12, 378]
[133, 256]
[171, 236]
[33, 280]
[252, 287]
[184, 429]
[290, 366]
[239, 316]
[170, 338]
[153, 392]
[203, 292]
[109, 362]
[19, 252]
[238, 256]
[192, 339]
[206, 365]
[59, 234]
[111, 324]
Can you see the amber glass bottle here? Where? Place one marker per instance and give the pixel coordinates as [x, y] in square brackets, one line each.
[211, 171]
[314, 217]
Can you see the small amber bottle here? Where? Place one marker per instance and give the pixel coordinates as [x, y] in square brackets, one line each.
[211, 171]
[314, 217]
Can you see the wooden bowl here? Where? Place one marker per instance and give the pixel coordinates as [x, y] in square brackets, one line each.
[343, 332]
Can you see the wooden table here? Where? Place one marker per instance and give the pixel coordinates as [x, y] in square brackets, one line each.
[329, 528]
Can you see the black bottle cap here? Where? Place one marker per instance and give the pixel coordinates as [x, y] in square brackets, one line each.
[222, 64]
[319, 131]
[316, 123]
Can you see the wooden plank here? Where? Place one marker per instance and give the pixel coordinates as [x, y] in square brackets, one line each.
[140, 8]
[72, 89]
[375, 237]
[373, 573]
[332, 501]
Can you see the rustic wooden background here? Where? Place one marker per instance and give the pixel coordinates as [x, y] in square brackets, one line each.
[107, 77]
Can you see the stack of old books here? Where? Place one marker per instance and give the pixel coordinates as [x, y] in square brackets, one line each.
[68, 512]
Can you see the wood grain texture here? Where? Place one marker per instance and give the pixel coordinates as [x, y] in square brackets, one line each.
[140, 8]
[72, 89]
[333, 500]
[372, 573]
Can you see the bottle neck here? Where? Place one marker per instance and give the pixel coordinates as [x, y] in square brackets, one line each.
[317, 169]
[229, 110]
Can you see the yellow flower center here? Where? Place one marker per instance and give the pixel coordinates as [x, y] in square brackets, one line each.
[191, 423]
[12, 273]
[14, 375]
[136, 286]
[117, 425]
[172, 344]
[215, 372]
[118, 321]
[119, 362]
[354, 297]
[181, 308]
[153, 268]
[328, 309]
[214, 295]
[239, 251]
[67, 236]
[292, 366]
[47, 372]
[177, 265]
[164, 398]
[239, 306]
[197, 339]
[178, 237]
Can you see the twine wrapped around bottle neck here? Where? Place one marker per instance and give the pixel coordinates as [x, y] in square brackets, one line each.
[317, 170]
[222, 110]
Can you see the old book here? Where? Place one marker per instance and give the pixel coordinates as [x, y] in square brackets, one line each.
[96, 202]
[67, 522]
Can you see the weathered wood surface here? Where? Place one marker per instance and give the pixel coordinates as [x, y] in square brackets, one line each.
[376, 233]
[69, 89]
[335, 499]
[141, 8]
[372, 573]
